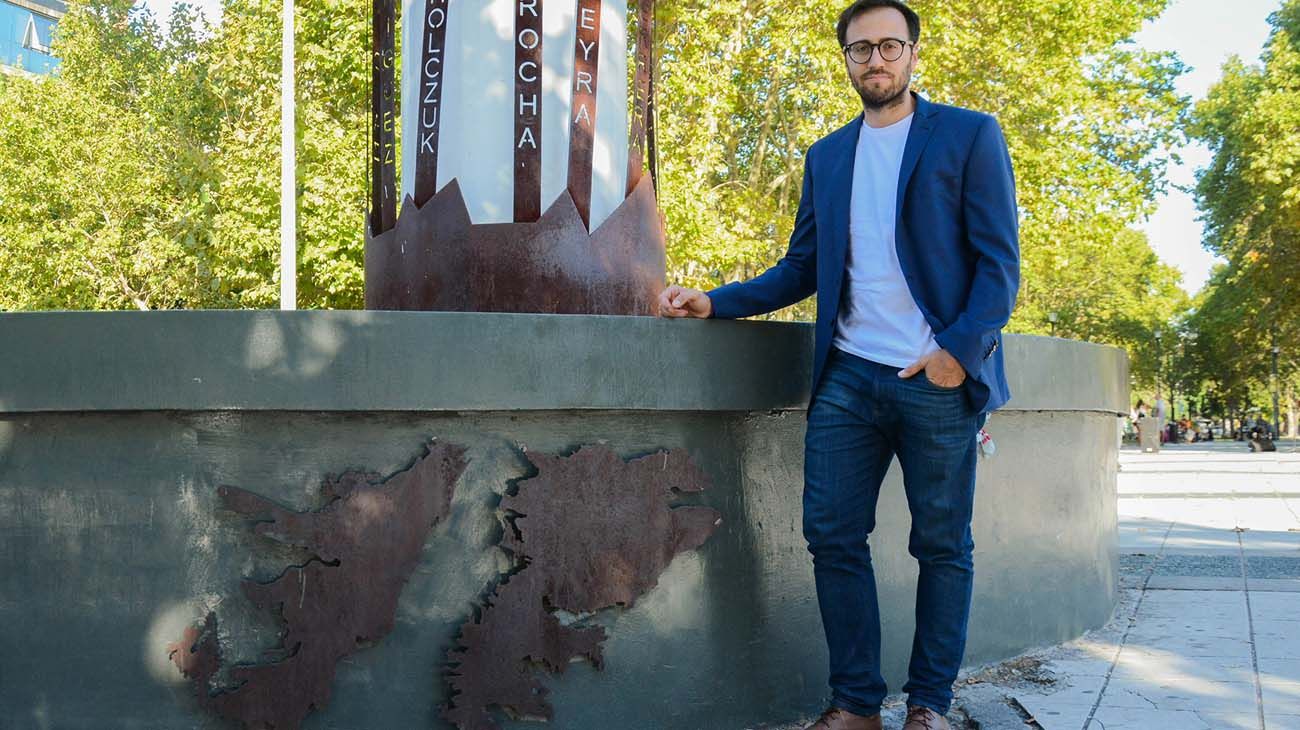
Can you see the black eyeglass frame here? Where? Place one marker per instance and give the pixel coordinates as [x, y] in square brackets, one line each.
[873, 47]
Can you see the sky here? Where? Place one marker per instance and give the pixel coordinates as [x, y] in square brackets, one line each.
[1204, 34]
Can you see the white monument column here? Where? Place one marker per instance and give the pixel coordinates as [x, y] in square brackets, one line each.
[477, 100]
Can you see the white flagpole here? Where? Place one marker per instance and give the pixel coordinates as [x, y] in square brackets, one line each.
[288, 164]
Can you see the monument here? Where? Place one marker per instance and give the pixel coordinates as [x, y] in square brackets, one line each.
[523, 185]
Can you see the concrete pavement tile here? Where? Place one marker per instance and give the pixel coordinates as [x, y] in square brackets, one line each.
[988, 707]
[1281, 696]
[1192, 583]
[1277, 639]
[1269, 514]
[1216, 598]
[1157, 509]
[1283, 670]
[1104, 641]
[1239, 721]
[1207, 512]
[1073, 691]
[1272, 645]
[1219, 625]
[1159, 666]
[1194, 605]
[1219, 618]
[1096, 645]
[1067, 703]
[1245, 720]
[1078, 667]
[1174, 635]
[1182, 630]
[1205, 614]
[1274, 585]
[1200, 537]
[1208, 613]
[1127, 718]
[1201, 516]
[1195, 647]
[1148, 480]
[1185, 694]
[1274, 721]
[1270, 541]
[1054, 715]
[1139, 533]
[1275, 606]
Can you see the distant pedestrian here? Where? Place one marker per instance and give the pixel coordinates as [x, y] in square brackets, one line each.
[1161, 415]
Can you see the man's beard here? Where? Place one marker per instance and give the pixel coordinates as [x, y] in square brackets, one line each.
[874, 99]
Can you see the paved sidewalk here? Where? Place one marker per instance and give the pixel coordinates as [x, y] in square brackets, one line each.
[1207, 633]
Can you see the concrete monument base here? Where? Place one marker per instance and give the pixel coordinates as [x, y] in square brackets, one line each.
[116, 430]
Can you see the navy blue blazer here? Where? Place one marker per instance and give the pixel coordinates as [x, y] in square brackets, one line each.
[957, 237]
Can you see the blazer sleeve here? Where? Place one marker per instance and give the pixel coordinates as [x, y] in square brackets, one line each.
[790, 280]
[992, 230]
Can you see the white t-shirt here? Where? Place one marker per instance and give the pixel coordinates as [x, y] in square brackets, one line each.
[878, 319]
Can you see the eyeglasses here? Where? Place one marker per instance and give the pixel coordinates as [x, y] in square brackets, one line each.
[891, 49]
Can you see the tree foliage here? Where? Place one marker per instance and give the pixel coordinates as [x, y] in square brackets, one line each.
[147, 174]
[1249, 196]
[106, 190]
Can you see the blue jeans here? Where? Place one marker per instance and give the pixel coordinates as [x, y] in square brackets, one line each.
[862, 415]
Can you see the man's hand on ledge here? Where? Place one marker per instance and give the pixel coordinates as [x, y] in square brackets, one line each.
[940, 368]
[678, 301]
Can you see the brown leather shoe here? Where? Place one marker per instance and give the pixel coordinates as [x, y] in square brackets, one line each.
[923, 718]
[836, 719]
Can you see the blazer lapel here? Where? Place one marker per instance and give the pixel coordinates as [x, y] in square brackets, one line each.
[917, 137]
[843, 151]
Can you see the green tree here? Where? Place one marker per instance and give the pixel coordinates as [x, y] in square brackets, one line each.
[146, 174]
[331, 67]
[105, 186]
[1250, 199]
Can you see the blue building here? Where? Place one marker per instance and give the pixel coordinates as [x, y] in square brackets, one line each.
[26, 27]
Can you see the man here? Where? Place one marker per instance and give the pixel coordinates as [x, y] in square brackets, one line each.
[907, 232]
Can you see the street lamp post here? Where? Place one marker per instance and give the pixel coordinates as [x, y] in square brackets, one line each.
[288, 167]
[1051, 319]
[1159, 363]
[1277, 423]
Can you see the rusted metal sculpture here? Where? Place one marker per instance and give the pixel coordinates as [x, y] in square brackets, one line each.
[383, 134]
[366, 542]
[582, 132]
[433, 257]
[528, 111]
[430, 107]
[436, 259]
[589, 532]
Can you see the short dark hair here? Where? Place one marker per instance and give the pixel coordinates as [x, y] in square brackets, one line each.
[862, 6]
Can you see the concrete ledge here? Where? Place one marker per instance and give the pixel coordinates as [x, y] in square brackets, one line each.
[454, 361]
